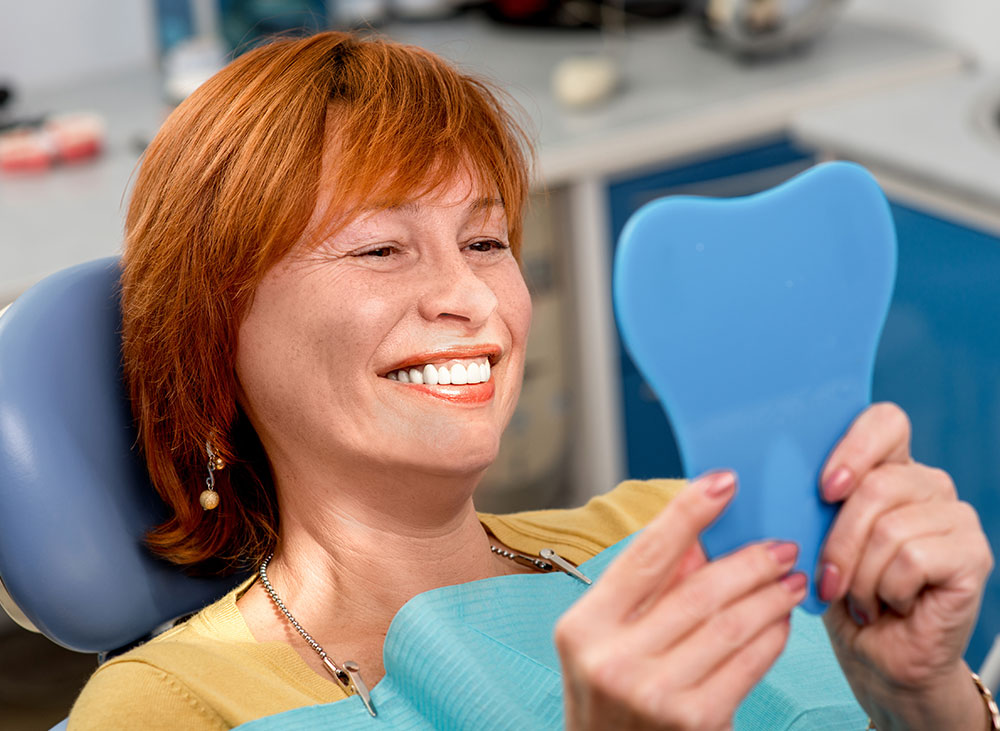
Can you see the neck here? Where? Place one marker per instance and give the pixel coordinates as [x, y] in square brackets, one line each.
[350, 555]
[377, 560]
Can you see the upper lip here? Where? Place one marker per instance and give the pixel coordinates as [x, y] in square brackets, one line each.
[490, 351]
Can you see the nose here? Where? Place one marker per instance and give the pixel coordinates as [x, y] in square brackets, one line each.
[455, 291]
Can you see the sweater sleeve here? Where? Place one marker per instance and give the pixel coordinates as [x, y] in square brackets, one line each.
[134, 694]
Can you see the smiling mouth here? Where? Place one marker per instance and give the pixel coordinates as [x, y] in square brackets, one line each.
[458, 372]
[457, 377]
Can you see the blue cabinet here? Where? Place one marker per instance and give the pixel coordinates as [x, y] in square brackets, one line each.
[939, 357]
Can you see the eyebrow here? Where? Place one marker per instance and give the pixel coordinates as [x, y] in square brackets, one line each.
[484, 203]
[479, 204]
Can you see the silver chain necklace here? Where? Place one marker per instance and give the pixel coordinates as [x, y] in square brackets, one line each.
[546, 560]
[348, 676]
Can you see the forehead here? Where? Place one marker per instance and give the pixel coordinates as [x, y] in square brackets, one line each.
[395, 169]
[461, 191]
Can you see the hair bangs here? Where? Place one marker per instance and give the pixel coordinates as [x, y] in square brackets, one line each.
[400, 134]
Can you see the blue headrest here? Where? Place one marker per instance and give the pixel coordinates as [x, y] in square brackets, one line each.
[75, 499]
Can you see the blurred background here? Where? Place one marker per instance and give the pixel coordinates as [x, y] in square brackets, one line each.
[629, 101]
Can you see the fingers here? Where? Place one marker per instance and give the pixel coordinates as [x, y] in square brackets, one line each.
[891, 532]
[651, 561]
[693, 629]
[950, 559]
[726, 632]
[711, 703]
[883, 490]
[734, 681]
[647, 644]
[880, 434]
[712, 588]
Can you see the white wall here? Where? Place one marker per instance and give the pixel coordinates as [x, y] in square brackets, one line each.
[47, 43]
[973, 25]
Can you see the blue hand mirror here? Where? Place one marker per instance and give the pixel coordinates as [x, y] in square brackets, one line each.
[755, 321]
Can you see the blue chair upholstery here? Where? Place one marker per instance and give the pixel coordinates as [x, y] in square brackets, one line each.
[75, 498]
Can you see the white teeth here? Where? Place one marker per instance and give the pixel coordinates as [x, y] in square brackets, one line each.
[459, 374]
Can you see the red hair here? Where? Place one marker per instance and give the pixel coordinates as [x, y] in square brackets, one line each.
[226, 188]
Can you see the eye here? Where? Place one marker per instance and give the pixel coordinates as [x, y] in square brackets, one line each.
[381, 252]
[487, 245]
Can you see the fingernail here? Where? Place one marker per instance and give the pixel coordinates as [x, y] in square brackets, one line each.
[784, 554]
[857, 614]
[795, 582]
[719, 484]
[835, 486]
[829, 582]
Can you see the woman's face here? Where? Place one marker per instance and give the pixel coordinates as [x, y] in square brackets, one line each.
[430, 290]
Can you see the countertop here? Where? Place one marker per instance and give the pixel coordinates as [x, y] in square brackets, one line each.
[942, 134]
[679, 97]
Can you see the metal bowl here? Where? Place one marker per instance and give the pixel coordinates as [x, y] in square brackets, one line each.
[767, 27]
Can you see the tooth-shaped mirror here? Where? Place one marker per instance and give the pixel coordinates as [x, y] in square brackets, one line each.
[756, 320]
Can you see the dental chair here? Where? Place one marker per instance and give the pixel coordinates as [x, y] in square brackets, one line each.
[75, 498]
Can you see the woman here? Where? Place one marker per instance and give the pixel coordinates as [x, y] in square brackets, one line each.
[322, 299]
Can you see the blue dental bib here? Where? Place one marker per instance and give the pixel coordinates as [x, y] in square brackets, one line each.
[756, 320]
[480, 657]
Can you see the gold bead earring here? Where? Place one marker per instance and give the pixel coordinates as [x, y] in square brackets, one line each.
[209, 498]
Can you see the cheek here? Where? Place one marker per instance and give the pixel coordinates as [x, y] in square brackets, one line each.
[515, 310]
[373, 308]
[515, 306]
[521, 324]
[305, 335]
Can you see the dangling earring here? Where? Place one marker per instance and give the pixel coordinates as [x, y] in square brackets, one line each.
[209, 498]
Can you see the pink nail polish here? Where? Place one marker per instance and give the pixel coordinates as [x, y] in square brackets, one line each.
[835, 486]
[794, 582]
[784, 554]
[719, 484]
[829, 582]
[857, 614]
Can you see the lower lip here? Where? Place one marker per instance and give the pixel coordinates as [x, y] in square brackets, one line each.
[475, 394]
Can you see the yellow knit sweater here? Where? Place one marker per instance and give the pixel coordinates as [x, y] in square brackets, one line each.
[210, 672]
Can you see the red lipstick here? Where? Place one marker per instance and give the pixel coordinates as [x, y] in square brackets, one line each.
[472, 351]
[477, 393]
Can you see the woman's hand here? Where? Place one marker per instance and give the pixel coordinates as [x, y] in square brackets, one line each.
[665, 640]
[904, 567]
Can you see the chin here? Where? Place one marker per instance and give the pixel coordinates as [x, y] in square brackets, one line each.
[459, 461]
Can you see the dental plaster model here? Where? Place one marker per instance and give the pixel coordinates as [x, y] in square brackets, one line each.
[585, 81]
